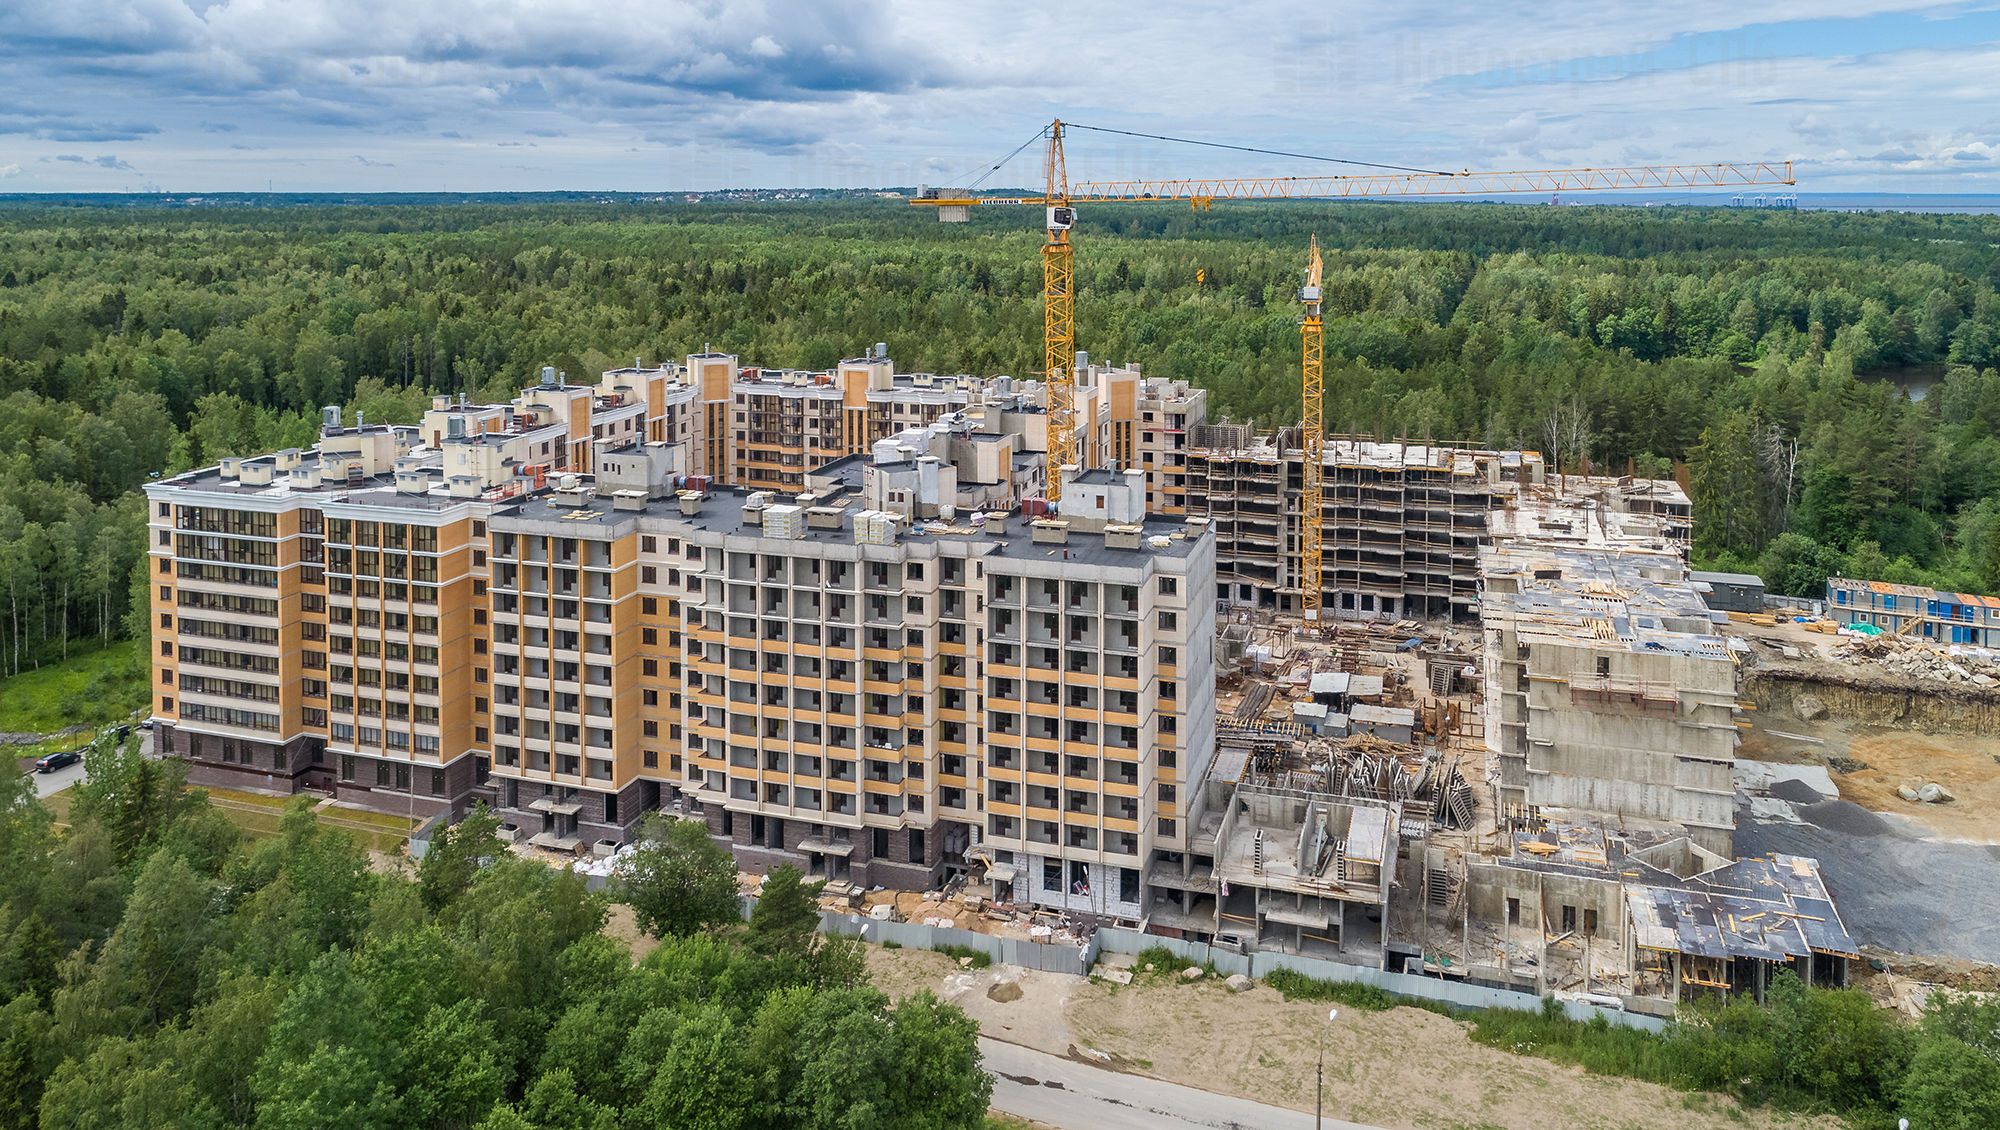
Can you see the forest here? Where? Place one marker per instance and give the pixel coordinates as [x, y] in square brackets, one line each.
[159, 970]
[1762, 355]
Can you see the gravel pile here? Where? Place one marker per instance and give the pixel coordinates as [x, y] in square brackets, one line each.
[1844, 817]
[1895, 889]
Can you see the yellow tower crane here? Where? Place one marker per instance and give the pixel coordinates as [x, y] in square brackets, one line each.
[1059, 197]
[1312, 436]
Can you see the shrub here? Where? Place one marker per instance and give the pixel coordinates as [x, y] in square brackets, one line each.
[980, 958]
[1164, 961]
[1297, 986]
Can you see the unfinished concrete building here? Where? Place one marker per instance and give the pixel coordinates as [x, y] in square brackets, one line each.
[1304, 873]
[1579, 910]
[1610, 692]
[1403, 523]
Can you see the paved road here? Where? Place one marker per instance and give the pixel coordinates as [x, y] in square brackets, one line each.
[47, 783]
[1076, 1096]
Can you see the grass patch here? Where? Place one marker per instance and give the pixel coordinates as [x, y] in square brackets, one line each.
[58, 806]
[1353, 994]
[999, 1120]
[1595, 1045]
[892, 945]
[1165, 962]
[258, 817]
[980, 958]
[91, 687]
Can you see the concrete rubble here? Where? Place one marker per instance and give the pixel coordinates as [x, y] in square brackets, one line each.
[1918, 660]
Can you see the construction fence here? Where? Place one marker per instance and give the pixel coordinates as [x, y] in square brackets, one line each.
[1070, 959]
[1078, 960]
[1456, 994]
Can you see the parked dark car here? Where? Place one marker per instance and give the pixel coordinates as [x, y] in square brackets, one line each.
[49, 763]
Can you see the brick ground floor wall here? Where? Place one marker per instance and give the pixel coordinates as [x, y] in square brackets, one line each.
[893, 867]
[245, 763]
[433, 788]
[602, 814]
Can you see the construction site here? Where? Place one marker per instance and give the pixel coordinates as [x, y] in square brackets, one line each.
[1541, 798]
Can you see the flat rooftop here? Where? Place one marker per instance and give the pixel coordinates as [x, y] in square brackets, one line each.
[1584, 573]
[723, 511]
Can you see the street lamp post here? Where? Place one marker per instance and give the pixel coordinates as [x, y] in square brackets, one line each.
[1319, 1079]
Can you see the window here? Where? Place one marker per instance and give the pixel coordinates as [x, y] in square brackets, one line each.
[1169, 586]
[916, 845]
[1603, 666]
[650, 758]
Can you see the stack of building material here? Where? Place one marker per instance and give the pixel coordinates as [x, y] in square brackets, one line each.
[785, 522]
[874, 527]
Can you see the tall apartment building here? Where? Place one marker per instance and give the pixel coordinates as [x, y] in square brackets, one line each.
[869, 694]
[319, 620]
[1609, 691]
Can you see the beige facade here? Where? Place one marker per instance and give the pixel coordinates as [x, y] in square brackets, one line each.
[811, 680]
[320, 618]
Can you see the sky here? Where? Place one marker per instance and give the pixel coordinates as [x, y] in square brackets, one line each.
[658, 95]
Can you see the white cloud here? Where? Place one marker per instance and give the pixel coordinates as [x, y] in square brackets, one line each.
[897, 91]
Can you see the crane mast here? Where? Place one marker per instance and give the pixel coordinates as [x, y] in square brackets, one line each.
[1059, 198]
[1059, 314]
[1312, 372]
